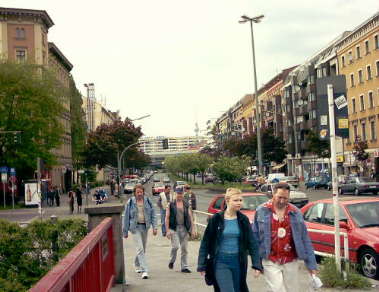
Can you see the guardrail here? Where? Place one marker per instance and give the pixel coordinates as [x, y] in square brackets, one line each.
[89, 266]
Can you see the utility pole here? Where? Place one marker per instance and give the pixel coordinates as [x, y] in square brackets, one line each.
[337, 243]
[39, 193]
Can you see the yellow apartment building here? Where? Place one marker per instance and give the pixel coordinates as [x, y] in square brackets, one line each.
[358, 60]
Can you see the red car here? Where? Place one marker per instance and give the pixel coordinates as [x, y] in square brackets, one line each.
[157, 188]
[359, 218]
[250, 201]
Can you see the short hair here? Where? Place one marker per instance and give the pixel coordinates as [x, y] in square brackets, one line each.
[232, 192]
[281, 186]
[167, 186]
[138, 186]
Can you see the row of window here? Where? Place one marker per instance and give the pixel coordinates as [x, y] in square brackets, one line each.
[358, 55]
[363, 132]
[361, 77]
[362, 102]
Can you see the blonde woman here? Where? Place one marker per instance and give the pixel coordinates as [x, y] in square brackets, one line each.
[227, 241]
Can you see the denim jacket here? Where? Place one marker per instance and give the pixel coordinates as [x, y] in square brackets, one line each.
[303, 244]
[131, 215]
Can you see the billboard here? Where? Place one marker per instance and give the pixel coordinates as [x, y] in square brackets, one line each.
[31, 195]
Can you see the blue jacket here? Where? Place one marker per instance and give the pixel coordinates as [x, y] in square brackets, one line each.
[303, 244]
[131, 215]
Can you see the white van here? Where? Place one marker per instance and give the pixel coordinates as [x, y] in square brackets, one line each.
[272, 176]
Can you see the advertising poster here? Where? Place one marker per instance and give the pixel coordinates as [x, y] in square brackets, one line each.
[31, 196]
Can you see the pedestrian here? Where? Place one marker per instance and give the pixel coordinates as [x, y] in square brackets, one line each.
[189, 197]
[79, 199]
[139, 216]
[226, 244]
[113, 184]
[283, 238]
[71, 199]
[180, 225]
[57, 196]
[164, 199]
[51, 196]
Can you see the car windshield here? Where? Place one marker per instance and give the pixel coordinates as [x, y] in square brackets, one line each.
[365, 214]
[252, 202]
[365, 179]
[158, 185]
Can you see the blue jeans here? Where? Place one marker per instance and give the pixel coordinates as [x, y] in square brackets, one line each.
[163, 217]
[228, 272]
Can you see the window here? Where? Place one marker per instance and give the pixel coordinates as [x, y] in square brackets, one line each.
[373, 130]
[360, 76]
[20, 33]
[314, 214]
[350, 57]
[343, 61]
[364, 131]
[377, 68]
[369, 72]
[362, 100]
[367, 47]
[218, 203]
[355, 132]
[376, 40]
[20, 56]
[352, 80]
[354, 106]
[358, 52]
[370, 99]
[329, 214]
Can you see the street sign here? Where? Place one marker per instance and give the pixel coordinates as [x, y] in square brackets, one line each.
[3, 169]
[340, 102]
[4, 177]
[81, 171]
[12, 171]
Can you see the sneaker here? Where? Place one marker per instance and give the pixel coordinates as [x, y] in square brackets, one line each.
[186, 270]
[171, 266]
[145, 275]
[138, 270]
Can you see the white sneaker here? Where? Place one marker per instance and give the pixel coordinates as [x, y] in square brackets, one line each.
[138, 270]
[145, 275]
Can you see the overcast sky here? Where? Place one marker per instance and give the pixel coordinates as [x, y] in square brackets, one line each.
[187, 61]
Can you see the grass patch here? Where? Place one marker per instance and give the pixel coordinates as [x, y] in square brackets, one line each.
[16, 206]
[330, 277]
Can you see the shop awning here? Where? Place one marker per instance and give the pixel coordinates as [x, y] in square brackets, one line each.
[279, 166]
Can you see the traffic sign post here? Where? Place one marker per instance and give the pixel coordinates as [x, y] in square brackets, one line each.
[12, 179]
[4, 179]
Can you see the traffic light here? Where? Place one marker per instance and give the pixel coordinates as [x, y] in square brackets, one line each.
[165, 143]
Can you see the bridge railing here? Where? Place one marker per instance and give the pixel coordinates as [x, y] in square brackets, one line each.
[89, 266]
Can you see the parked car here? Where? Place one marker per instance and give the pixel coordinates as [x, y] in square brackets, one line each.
[166, 180]
[157, 188]
[359, 218]
[358, 185]
[156, 179]
[250, 201]
[293, 180]
[298, 198]
[179, 183]
[250, 180]
[129, 186]
[318, 182]
[209, 178]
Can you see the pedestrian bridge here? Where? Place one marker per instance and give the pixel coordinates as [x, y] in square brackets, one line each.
[91, 266]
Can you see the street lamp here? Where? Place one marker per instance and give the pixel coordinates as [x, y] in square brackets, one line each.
[119, 157]
[256, 19]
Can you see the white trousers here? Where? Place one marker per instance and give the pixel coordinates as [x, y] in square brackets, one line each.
[281, 278]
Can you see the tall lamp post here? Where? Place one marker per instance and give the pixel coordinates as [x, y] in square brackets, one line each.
[119, 156]
[255, 19]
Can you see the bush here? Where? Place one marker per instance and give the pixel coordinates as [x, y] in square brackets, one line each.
[27, 254]
[332, 278]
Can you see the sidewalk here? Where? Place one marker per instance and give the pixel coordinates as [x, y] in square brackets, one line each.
[162, 279]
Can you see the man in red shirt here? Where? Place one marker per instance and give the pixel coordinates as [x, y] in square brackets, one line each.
[283, 240]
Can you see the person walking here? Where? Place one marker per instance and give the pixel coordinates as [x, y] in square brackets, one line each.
[79, 199]
[71, 199]
[190, 197]
[139, 216]
[226, 244]
[57, 196]
[180, 224]
[283, 238]
[164, 199]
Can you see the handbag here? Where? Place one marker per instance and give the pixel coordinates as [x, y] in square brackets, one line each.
[209, 272]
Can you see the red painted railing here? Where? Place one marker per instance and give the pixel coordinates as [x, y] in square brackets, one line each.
[89, 266]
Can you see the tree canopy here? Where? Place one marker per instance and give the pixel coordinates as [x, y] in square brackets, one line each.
[31, 101]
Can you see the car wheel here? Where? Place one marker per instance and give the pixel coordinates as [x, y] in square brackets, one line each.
[356, 192]
[369, 261]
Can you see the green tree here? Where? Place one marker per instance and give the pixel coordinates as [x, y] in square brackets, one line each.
[31, 101]
[203, 162]
[108, 140]
[231, 168]
[78, 126]
[317, 146]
